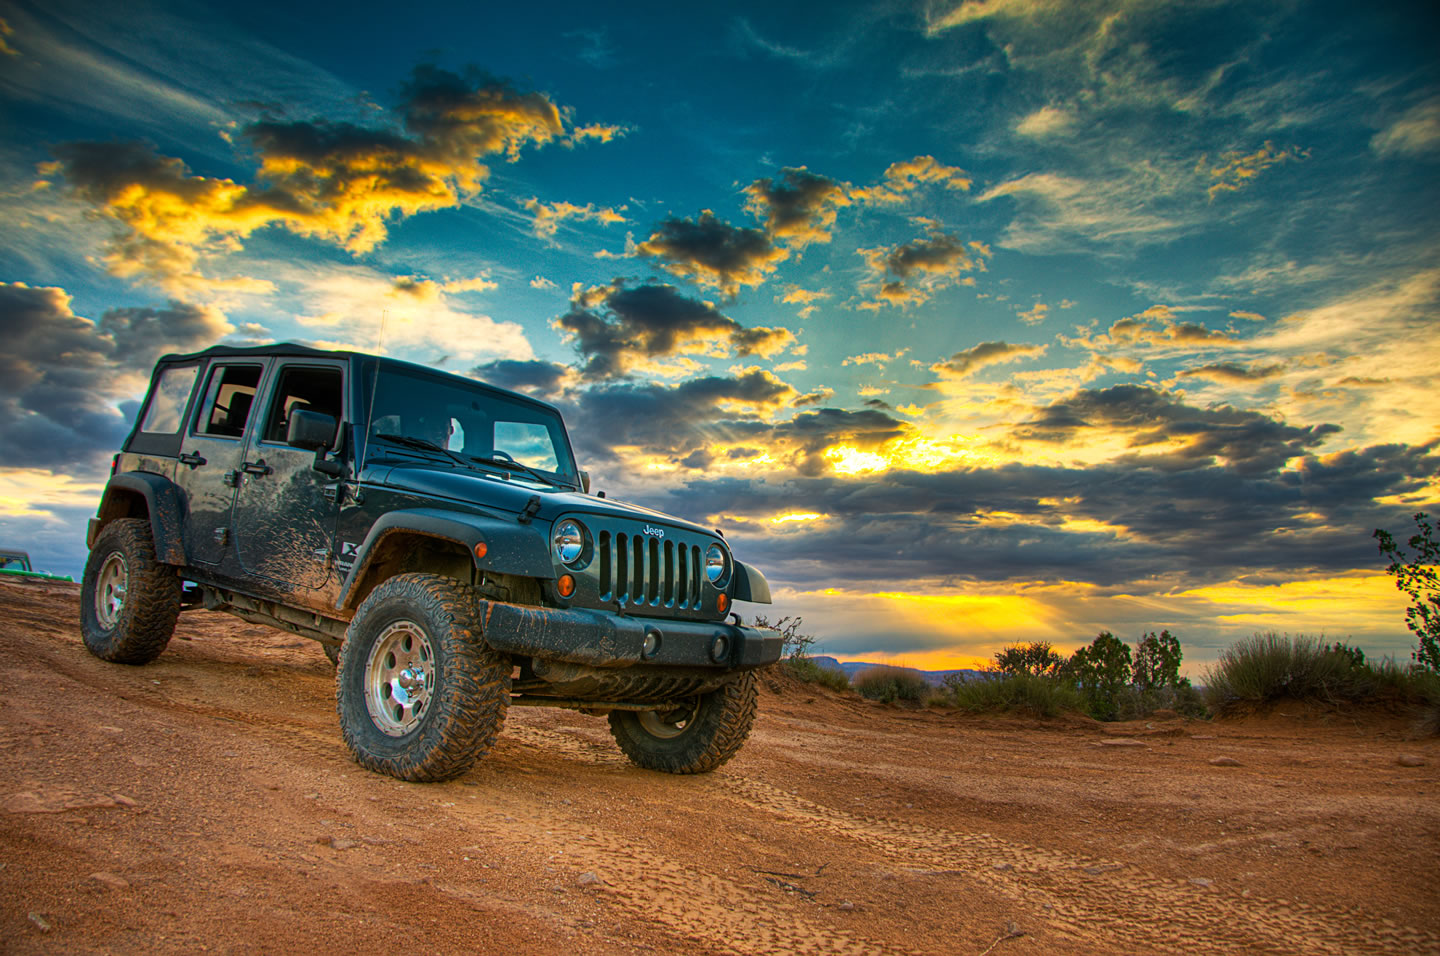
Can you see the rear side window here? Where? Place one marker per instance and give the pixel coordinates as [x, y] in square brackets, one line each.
[308, 387]
[228, 399]
[167, 403]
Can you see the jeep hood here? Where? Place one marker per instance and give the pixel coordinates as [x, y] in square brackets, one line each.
[498, 493]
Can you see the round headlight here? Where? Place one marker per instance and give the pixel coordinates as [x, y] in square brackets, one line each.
[717, 565]
[569, 541]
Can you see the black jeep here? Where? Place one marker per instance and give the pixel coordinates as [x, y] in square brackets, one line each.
[434, 534]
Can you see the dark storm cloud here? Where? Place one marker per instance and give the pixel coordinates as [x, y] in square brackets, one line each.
[798, 206]
[61, 374]
[538, 378]
[1249, 441]
[673, 422]
[618, 328]
[711, 252]
[1173, 529]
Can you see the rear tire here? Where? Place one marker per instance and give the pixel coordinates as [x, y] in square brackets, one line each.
[696, 736]
[419, 693]
[129, 601]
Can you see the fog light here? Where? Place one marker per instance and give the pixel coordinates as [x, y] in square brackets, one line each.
[719, 648]
[566, 584]
[652, 643]
[723, 604]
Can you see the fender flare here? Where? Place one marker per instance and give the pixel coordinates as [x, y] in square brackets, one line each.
[510, 548]
[750, 585]
[162, 502]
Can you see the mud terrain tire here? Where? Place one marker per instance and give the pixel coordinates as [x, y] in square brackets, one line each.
[420, 695]
[695, 738]
[128, 600]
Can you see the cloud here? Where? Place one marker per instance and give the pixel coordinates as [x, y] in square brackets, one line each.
[1181, 436]
[910, 273]
[1414, 133]
[873, 358]
[1237, 169]
[711, 252]
[1056, 212]
[807, 299]
[533, 377]
[1156, 328]
[966, 363]
[904, 178]
[798, 206]
[548, 216]
[1232, 374]
[61, 374]
[620, 329]
[1035, 315]
[323, 179]
[7, 31]
[540, 282]
[1046, 121]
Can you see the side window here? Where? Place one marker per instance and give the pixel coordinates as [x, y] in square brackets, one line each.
[228, 398]
[528, 443]
[314, 389]
[167, 404]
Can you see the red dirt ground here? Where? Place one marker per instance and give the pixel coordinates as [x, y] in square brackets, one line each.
[204, 803]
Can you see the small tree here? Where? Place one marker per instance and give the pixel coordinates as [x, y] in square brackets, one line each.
[1102, 672]
[1157, 662]
[1415, 575]
[794, 644]
[1037, 658]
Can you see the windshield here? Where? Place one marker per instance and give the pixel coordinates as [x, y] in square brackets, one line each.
[471, 421]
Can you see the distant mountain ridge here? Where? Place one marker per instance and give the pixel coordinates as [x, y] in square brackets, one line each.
[851, 668]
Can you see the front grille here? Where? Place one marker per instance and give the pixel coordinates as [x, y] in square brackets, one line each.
[642, 571]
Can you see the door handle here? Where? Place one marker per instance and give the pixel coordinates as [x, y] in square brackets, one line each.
[257, 468]
[193, 459]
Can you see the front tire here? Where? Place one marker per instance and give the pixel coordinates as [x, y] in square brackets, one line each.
[695, 736]
[129, 601]
[419, 693]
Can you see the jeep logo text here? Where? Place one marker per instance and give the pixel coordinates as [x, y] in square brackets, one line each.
[656, 532]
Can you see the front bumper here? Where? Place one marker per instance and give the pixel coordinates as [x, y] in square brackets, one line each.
[606, 639]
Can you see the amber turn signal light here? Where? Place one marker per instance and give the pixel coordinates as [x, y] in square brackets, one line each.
[566, 584]
[480, 549]
[723, 603]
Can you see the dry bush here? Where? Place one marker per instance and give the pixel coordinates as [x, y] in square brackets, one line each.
[889, 684]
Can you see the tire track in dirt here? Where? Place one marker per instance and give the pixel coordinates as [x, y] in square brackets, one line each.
[1104, 899]
[1089, 898]
[727, 914]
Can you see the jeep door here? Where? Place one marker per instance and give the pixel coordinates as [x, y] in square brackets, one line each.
[210, 457]
[285, 511]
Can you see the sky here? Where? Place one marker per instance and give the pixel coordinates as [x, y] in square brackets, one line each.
[969, 323]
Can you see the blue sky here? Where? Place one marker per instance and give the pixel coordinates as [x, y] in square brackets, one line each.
[969, 323]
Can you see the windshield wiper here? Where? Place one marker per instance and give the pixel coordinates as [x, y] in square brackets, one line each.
[505, 461]
[424, 443]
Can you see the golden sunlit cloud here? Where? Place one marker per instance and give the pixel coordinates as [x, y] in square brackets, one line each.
[845, 460]
[1237, 170]
[548, 216]
[713, 253]
[903, 178]
[34, 492]
[802, 516]
[798, 206]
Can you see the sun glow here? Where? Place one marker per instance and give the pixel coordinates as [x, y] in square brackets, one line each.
[845, 460]
[796, 516]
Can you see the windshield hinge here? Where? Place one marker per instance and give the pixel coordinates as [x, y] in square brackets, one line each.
[532, 508]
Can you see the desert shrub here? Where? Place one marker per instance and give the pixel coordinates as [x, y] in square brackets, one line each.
[1015, 693]
[1269, 667]
[1416, 576]
[811, 672]
[1354, 654]
[889, 684]
[1102, 673]
[1037, 658]
[794, 645]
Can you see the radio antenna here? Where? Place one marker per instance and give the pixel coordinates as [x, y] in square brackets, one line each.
[374, 387]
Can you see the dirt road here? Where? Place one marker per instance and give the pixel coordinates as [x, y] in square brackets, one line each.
[204, 803]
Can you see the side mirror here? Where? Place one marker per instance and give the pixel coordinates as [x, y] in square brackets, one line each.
[585, 482]
[315, 431]
[312, 431]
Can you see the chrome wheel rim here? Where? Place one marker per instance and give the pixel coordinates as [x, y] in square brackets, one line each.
[111, 585]
[664, 727]
[399, 678]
